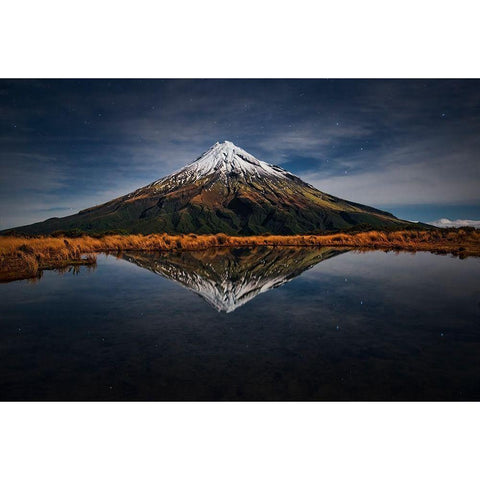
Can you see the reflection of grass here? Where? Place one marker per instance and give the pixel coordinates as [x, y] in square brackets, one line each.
[26, 257]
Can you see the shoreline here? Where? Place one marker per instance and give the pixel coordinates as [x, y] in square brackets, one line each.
[23, 258]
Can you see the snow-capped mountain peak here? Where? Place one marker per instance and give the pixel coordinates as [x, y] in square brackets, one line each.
[224, 190]
[225, 159]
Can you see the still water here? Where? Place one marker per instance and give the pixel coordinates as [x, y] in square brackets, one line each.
[246, 324]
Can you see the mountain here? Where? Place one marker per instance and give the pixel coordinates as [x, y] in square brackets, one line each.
[228, 278]
[225, 190]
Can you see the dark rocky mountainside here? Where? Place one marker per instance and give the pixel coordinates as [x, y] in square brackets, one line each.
[225, 190]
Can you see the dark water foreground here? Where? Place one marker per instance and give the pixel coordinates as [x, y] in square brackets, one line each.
[302, 324]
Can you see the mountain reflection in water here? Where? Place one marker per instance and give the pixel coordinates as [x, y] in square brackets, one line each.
[371, 326]
[230, 277]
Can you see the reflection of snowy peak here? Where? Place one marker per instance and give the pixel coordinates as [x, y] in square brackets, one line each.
[229, 278]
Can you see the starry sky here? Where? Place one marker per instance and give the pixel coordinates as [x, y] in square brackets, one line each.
[408, 146]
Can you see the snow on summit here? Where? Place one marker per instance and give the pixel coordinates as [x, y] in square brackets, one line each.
[224, 159]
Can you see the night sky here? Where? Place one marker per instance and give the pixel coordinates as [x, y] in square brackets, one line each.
[408, 146]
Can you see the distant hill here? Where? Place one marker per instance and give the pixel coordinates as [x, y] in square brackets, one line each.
[225, 190]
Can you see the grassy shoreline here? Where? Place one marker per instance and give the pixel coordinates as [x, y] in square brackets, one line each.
[22, 258]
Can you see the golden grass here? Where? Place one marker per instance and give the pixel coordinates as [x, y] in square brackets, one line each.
[26, 257]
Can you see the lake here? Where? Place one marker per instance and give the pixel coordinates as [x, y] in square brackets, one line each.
[246, 324]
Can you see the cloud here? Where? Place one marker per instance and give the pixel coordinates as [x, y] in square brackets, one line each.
[446, 223]
[426, 171]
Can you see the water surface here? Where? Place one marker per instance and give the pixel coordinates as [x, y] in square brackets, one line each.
[246, 324]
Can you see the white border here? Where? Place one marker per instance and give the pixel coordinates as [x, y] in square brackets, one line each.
[239, 441]
[369, 39]
[252, 38]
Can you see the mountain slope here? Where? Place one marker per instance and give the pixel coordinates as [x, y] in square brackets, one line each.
[225, 190]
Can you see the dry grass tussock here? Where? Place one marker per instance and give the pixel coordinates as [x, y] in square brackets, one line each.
[26, 257]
